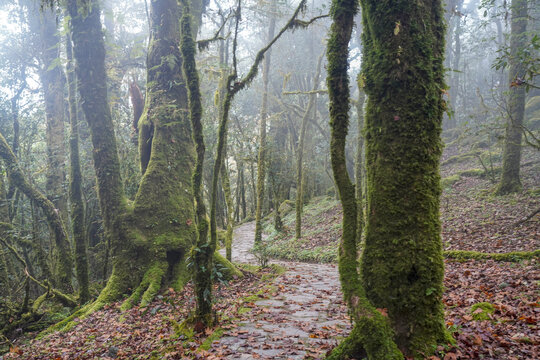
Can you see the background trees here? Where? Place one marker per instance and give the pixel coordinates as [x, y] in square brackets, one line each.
[142, 210]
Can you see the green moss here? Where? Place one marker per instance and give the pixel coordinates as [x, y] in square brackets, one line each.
[515, 256]
[482, 311]
[471, 173]
[244, 310]
[450, 180]
[216, 335]
[229, 269]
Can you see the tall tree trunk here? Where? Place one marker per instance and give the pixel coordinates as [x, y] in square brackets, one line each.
[261, 160]
[89, 53]
[371, 334]
[402, 264]
[359, 163]
[53, 83]
[300, 151]
[510, 181]
[75, 183]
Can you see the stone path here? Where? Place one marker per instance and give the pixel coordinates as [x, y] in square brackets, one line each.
[302, 320]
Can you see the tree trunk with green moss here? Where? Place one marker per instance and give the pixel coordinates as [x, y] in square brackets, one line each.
[510, 181]
[75, 183]
[261, 159]
[150, 239]
[402, 263]
[359, 162]
[371, 335]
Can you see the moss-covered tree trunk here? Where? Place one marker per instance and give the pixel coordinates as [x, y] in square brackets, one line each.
[371, 335]
[359, 162]
[75, 183]
[261, 159]
[300, 151]
[402, 264]
[510, 180]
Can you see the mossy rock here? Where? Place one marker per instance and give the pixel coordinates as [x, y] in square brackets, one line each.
[450, 180]
[286, 207]
[481, 311]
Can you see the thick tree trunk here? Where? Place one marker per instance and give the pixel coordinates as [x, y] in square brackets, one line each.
[402, 264]
[371, 334]
[75, 183]
[261, 160]
[510, 181]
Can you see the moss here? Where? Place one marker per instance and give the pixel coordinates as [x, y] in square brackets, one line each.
[229, 269]
[482, 311]
[244, 310]
[516, 256]
[286, 207]
[470, 173]
[402, 263]
[207, 343]
[450, 180]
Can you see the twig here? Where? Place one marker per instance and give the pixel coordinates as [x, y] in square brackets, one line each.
[529, 217]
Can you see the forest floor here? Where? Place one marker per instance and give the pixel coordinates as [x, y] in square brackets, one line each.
[294, 310]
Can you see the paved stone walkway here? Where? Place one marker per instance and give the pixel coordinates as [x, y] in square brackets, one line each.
[304, 319]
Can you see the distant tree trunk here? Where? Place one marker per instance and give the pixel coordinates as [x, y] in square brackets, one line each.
[261, 161]
[402, 263]
[455, 74]
[371, 336]
[510, 181]
[75, 181]
[226, 183]
[53, 82]
[300, 151]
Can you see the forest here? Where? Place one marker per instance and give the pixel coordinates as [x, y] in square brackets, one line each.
[270, 179]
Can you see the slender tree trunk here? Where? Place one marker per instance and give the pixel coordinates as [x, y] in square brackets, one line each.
[510, 181]
[261, 160]
[53, 83]
[300, 151]
[402, 263]
[359, 163]
[75, 181]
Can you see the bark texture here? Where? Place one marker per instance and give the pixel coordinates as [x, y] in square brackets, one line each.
[510, 180]
[402, 264]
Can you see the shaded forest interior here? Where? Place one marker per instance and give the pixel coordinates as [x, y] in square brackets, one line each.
[269, 179]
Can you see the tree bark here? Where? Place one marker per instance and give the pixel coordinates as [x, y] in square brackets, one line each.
[371, 334]
[510, 179]
[402, 264]
[75, 183]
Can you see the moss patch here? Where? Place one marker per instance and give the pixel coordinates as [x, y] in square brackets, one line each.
[482, 311]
